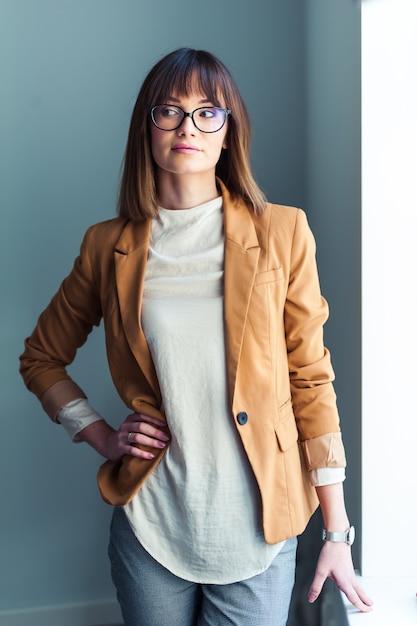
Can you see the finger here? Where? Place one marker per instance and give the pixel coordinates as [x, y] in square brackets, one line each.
[134, 443]
[142, 439]
[139, 453]
[363, 604]
[356, 595]
[316, 587]
[141, 417]
[151, 431]
[363, 597]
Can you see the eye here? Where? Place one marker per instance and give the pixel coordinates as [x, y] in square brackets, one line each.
[169, 111]
[208, 113]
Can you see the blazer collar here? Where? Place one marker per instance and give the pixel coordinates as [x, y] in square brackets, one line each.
[238, 225]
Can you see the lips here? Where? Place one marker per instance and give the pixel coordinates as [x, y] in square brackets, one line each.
[185, 148]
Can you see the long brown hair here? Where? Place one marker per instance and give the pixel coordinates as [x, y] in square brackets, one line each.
[179, 72]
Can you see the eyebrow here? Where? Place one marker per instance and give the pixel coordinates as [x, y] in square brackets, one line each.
[203, 101]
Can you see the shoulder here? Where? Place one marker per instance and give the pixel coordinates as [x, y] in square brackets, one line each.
[285, 215]
[108, 231]
[120, 234]
[282, 223]
[99, 241]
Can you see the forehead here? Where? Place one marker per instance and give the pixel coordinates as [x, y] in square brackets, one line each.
[196, 97]
[192, 85]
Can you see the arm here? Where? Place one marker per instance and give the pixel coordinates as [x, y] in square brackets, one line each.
[61, 329]
[335, 560]
[314, 403]
[136, 430]
[83, 423]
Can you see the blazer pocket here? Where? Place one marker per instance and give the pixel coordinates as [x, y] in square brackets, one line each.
[270, 276]
[286, 428]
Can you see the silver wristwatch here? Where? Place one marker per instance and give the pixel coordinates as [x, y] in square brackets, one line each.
[348, 536]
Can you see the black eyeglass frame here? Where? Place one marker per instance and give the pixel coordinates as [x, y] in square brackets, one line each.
[191, 114]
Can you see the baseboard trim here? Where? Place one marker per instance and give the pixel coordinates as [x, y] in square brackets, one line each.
[100, 613]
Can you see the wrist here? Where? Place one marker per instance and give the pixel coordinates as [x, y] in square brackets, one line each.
[99, 436]
[111, 446]
[335, 517]
[346, 536]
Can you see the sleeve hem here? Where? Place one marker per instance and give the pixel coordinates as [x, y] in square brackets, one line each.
[60, 394]
[77, 415]
[327, 476]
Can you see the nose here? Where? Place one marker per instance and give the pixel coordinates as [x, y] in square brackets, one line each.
[187, 124]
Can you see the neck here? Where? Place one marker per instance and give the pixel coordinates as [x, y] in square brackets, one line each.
[185, 192]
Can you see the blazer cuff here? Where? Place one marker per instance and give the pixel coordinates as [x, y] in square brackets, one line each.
[324, 451]
[58, 396]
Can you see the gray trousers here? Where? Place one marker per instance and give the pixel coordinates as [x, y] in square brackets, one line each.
[150, 595]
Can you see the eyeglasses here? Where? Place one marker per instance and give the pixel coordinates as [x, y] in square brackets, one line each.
[206, 119]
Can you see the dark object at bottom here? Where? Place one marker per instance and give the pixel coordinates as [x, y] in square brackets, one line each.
[328, 609]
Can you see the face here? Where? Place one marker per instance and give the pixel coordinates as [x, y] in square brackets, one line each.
[187, 150]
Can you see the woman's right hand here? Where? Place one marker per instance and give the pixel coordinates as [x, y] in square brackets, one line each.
[139, 430]
[136, 430]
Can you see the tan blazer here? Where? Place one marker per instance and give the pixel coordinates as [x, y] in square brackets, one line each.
[279, 373]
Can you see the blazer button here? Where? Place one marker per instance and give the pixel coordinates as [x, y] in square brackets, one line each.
[242, 418]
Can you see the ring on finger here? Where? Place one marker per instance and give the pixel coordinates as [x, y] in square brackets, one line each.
[129, 437]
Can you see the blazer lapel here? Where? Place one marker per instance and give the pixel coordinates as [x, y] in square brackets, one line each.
[130, 257]
[241, 261]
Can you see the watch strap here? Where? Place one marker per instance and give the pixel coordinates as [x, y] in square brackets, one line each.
[346, 536]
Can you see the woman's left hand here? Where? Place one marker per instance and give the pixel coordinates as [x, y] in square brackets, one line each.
[335, 562]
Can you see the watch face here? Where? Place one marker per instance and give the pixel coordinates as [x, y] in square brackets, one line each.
[351, 535]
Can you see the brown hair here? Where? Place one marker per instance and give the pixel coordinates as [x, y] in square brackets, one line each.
[178, 72]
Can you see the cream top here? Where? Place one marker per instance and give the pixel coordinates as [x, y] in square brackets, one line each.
[198, 513]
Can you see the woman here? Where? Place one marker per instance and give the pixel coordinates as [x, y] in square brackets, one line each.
[214, 321]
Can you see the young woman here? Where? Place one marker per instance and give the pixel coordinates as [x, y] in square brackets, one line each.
[214, 332]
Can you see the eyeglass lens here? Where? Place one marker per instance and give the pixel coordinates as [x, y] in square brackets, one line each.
[206, 119]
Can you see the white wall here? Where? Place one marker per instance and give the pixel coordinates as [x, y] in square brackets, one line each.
[389, 287]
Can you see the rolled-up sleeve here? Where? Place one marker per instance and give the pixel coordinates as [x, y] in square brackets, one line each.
[61, 329]
[310, 370]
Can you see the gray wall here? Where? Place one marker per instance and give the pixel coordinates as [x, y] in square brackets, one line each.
[333, 203]
[69, 72]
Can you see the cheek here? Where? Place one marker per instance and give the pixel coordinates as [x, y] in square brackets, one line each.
[215, 153]
[218, 142]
